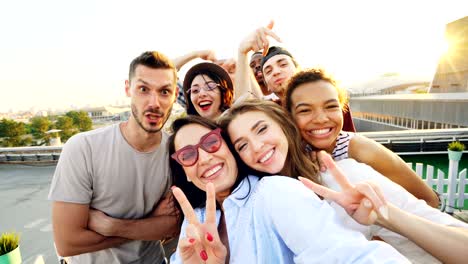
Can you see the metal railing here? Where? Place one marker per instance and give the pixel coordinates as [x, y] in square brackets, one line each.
[30, 154]
[418, 141]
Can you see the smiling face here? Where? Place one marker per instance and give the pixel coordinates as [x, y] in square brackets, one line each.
[316, 110]
[218, 167]
[206, 103]
[260, 141]
[256, 66]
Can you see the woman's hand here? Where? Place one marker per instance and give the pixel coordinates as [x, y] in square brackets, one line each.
[364, 202]
[202, 243]
[316, 157]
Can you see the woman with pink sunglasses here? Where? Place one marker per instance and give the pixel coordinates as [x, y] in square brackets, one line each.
[232, 216]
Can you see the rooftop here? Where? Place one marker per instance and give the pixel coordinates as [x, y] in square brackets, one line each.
[416, 97]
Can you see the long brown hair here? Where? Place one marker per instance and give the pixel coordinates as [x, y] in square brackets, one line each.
[297, 160]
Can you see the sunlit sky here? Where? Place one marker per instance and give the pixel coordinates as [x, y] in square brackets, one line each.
[55, 53]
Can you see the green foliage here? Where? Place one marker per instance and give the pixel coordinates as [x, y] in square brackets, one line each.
[8, 242]
[17, 134]
[2, 128]
[11, 128]
[28, 128]
[456, 146]
[12, 132]
[39, 126]
[25, 141]
[65, 124]
[16, 141]
[81, 120]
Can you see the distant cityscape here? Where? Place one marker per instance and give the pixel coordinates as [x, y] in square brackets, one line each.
[92, 110]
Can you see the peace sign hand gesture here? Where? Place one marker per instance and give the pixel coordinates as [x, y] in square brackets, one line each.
[364, 202]
[202, 243]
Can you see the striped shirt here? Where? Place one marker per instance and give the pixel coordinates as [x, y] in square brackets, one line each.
[342, 143]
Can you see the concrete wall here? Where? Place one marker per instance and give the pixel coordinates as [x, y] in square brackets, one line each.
[371, 126]
[450, 112]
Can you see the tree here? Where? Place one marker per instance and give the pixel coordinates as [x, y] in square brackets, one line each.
[3, 128]
[65, 123]
[81, 120]
[12, 132]
[39, 126]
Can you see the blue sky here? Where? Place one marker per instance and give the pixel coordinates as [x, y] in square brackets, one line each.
[54, 54]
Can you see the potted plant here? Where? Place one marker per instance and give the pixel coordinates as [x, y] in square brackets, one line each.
[455, 150]
[9, 248]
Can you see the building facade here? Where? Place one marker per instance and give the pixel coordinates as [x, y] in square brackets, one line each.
[452, 71]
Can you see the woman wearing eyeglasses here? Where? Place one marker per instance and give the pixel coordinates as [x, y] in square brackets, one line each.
[234, 217]
[208, 90]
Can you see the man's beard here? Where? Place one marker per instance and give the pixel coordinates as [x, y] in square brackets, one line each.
[278, 90]
[154, 111]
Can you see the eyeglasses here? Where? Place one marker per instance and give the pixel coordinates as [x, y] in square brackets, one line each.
[209, 86]
[188, 155]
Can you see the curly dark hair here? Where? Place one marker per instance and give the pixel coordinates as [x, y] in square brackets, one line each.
[313, 75]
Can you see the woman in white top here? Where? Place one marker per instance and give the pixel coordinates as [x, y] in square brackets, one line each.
[269, 143]
[316, 101]
[249, 219]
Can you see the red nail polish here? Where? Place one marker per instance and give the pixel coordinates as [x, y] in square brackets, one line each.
[203, 255]
[192, 240]
[209, 237]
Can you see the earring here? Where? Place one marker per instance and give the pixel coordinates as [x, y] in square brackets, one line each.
[188, 179]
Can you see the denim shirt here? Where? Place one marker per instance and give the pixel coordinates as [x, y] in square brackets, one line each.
[278, 220]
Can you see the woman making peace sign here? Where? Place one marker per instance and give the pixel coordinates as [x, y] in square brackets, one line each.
[249, 219]
[269, 143]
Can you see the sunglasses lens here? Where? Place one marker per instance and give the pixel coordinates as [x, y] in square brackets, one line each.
[211, 143]
[188, 156]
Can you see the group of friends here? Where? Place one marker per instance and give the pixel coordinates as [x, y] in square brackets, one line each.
[264, 168]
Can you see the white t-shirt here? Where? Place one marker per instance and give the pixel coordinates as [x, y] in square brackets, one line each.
[101, 169]
[397, 195]
[271, 97]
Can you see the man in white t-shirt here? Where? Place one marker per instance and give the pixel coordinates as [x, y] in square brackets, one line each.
[109, 185]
